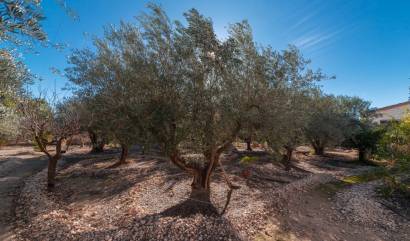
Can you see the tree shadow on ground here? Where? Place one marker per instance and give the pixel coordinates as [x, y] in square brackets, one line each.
[205, 223]
[88, 182]
[334, 161]
[187, 220]
[21, 166]
[190, 207]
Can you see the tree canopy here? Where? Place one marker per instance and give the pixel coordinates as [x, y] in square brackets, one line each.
[180, 86]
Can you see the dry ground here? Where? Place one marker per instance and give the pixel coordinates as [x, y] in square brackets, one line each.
[16, 164]
[148, 200]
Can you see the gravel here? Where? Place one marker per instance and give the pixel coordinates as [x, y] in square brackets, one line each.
[361, 205]
[148, 199]
[144, 200]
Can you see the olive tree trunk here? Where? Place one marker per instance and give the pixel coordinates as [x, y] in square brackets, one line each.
[288, 158]
[318, 148]
[124, 154]
[96, 145]
[52, 159]
[200, 187]
[51, 172]
[248, 141]
[362, 155]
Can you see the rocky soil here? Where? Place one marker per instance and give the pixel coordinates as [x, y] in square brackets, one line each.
[145, 200]
[148, 199]
[362, 206]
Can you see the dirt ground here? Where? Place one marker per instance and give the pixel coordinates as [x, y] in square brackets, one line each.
[16, 164]
[148, 199]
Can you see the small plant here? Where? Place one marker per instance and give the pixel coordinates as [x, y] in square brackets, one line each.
[367, 176]
[247, 160]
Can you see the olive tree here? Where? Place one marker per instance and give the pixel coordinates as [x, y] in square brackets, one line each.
[327, 122]
[176, 82]
[20, 20]
[21, 23]
[195, 99]
[216, 89]
[288, 112]
[91, 123]
[39, 121]
[179, 86]
[361, 132]
[13, 78]
[111, 81]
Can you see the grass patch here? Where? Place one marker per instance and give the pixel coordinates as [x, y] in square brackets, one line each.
[369, 176]
[247, 160]
[332, 188]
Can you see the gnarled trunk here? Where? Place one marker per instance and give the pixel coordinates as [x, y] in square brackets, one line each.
[200, 187]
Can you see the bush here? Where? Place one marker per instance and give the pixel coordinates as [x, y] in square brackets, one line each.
[395, 142]
[392, 185]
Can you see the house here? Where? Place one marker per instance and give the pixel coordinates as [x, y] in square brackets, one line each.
[396, 112]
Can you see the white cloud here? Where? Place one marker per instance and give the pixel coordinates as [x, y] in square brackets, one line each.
[315, 39]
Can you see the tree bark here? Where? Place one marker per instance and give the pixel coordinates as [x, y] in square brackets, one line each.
[288, 158]
[362, 155]
[200, 187]
[124, 154]
[96, 146]
[248, 141]
[123, 157]
[52, 164]
[319, 149]
[51, 172]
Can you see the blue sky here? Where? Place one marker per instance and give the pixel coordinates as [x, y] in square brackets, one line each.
[364, 43]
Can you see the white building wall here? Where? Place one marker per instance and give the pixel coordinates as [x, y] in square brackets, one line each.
[396, 113]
